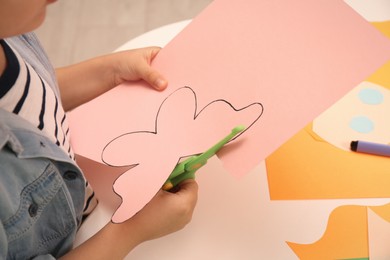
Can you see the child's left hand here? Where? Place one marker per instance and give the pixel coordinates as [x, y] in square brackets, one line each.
[85, 81]
[134, 65]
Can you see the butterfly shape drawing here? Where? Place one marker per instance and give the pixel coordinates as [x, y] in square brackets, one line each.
[181, 130]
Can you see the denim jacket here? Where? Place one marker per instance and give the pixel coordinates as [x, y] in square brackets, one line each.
[41, 193]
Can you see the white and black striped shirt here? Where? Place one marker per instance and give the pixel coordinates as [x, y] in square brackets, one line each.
[25, 93]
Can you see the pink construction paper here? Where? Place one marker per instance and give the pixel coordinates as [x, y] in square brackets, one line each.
[295, 58]
[180, 129]
[177, 133]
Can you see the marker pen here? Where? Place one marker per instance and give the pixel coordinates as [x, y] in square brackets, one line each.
[371, 148]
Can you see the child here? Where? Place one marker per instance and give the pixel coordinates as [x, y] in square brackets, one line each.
[43, 193]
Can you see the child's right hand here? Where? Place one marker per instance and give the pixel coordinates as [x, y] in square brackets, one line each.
[167, 212]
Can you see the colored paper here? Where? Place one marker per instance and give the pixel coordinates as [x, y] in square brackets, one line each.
[171, 125]
[312, 168]
[277, 54]
[360, 115]
[384, 27]
[379, 233]
[345, 236]
[322, 159]
[293, 58]
[317, 161]
[353, 232]
[382, 76]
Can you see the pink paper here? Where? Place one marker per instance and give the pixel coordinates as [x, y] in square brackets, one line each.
[296, 58]
[177, 133]
[293, 58]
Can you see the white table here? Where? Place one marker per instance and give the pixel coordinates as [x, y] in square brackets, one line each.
[234, 219]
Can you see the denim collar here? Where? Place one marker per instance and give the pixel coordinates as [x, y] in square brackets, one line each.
[27, 141]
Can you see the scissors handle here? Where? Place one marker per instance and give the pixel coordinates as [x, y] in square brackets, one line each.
[179, 178]
[187, 168]
[201, 159]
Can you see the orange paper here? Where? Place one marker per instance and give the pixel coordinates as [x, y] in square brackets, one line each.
[346, 236]
[308, 167]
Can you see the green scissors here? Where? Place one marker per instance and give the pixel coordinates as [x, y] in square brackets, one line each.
[187, 168]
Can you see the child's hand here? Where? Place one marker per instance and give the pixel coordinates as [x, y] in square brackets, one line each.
[167, 212]
[86, 80]
[134, 65]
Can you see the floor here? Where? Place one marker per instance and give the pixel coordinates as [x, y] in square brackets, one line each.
[76, 30]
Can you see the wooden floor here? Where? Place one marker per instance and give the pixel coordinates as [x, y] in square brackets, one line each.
[75, 30]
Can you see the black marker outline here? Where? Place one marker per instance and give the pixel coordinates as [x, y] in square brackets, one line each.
[155, 132]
